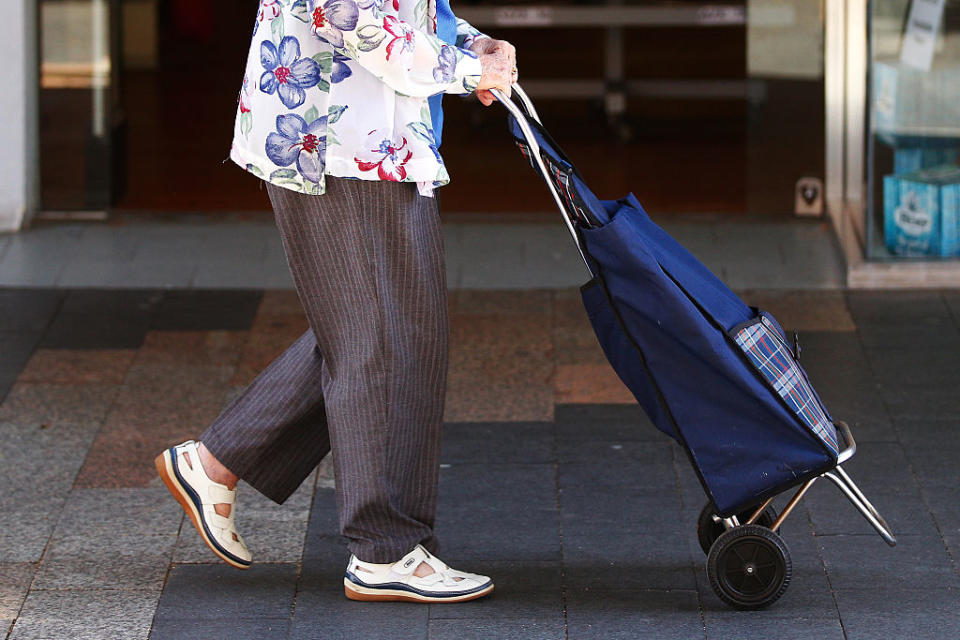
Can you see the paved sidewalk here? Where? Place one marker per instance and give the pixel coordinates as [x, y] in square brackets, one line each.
[553, 481]
[202, 253]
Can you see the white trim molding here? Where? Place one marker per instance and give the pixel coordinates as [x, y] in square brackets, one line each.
[18, 103]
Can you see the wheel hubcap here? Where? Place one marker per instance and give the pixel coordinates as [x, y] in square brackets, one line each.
[750, 569]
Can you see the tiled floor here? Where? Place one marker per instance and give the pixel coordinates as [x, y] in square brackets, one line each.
[552, 481]
[201, 253]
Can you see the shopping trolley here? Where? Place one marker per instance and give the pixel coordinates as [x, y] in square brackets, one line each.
[720, 377]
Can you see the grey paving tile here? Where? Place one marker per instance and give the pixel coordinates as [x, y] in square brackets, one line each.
[70, 545]
[628, 455]
[931, 435]
[82, 331]
[832, 513]
[45, 448]
[637, 516]
[325, 553]
[881, 466]
[897, 308]
[65, 569]
[920, 402]
[86, 272]
[221, 592]
[524, 589]
[591, 422]
[135, 511]
[905, 369]
[24, 533]
[37, 466]
[933, 333]
[464, 629]
[241, 628]
[27, 310]
[16, 348]
[747, 626]
[86, 614]
[482, 486]
[942, 501]
[896, 610]
[628, 477]
[515, 257]
[34, 262]
[497, 442]
[328, 614]
[325, 558]
[271, 273]
[627, 614]
[636, 562]
[863, 562]
[131, 303]
[104, 242]
[15, 578]
[935, 469]
[242, 241]
[498, 534]
[206, 310]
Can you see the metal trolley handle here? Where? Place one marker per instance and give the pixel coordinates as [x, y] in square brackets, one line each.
[521, 115]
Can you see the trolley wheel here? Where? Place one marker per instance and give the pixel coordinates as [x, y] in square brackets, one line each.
[708, 530]
[749, 567]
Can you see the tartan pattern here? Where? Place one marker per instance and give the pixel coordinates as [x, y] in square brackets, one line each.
[561, 179]
[769, 353]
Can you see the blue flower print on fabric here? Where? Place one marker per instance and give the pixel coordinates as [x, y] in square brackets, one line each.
[286, 73]
[341, 71]
[329, 20]
[445, 70]
[296, 141]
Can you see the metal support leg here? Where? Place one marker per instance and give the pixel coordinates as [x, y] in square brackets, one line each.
[867, 510]
[793, 503]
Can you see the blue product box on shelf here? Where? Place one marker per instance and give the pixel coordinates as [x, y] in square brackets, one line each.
[922, 212]
[907, 159]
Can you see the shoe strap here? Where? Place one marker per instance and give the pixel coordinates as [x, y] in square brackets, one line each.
[219, 494]
[409, 563]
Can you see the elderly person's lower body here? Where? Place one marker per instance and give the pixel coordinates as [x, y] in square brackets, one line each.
[366, 381]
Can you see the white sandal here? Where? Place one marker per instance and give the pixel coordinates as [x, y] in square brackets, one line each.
[197, 494]
[396, 582]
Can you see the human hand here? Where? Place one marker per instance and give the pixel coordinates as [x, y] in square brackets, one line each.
[501, 54]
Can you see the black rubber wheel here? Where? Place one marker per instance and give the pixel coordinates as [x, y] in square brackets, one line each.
[708, 531]
[749, 567]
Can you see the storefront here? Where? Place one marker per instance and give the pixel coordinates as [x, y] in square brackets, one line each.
[893, 140]
[767, 109]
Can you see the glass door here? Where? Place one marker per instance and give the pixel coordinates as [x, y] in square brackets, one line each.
[81, 124]
[913, 176]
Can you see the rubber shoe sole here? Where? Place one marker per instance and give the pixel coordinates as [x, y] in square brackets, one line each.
[164, 464]
[366, 594]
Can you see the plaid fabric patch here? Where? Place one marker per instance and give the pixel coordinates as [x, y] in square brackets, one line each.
[771, 355]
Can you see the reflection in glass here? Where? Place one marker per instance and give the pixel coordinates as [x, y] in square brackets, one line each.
[913, 174]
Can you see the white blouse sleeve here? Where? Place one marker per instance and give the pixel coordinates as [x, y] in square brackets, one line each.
[409, 61]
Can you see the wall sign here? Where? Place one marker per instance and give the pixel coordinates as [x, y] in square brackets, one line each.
[920, 35]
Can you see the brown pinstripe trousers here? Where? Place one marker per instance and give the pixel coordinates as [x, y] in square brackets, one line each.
[368, 378]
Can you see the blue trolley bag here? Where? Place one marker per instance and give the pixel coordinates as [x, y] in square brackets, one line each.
[670, 329]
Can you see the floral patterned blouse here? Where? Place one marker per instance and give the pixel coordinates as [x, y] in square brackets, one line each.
[340, 87]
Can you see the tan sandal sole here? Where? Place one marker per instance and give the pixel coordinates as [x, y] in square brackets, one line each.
[364, 594]
[163, 464]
